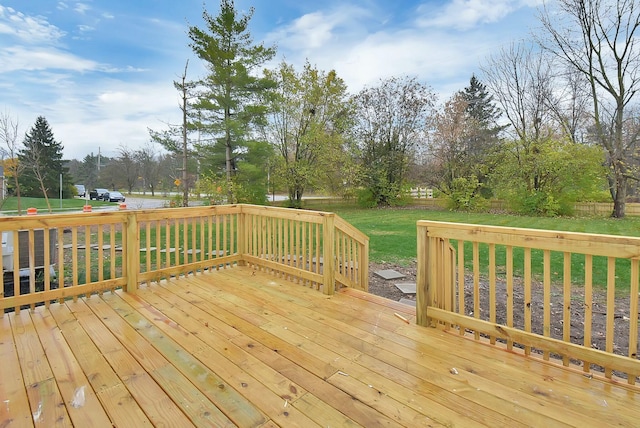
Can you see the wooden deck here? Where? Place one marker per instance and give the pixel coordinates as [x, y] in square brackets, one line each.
[237, 347]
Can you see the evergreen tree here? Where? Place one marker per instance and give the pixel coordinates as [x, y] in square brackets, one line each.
[483, 111]
[483, 134]
[42, 160]
[228, 105]
[480, 104]
[89, 171]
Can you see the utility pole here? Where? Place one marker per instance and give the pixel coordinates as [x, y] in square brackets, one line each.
[184, 88]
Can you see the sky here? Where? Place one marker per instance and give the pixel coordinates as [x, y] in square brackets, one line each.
[102, 71]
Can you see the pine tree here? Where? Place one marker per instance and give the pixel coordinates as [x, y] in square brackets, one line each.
[484, 135]
[42, 160]
[229, 105]
[480, 104]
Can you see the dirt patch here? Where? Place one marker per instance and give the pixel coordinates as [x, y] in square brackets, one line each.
[576, 305]
[385, 288]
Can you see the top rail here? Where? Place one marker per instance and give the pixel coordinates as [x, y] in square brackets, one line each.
[535, 290]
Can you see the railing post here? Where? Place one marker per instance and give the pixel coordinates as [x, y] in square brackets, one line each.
[422, 283]
[242, 239]
[363, 269]
[132, 253]
[329, 253]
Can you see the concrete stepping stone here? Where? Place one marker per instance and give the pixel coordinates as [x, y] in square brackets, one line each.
[406, 287]
[406, 301]
[389, 274]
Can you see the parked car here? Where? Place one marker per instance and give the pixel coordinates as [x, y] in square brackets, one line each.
[98, 194]
[113, 196]
[81, 190]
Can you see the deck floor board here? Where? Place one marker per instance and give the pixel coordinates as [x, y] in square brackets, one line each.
[242, 347]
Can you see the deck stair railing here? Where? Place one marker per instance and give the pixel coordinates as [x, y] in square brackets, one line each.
[534, 291]
[54, 257]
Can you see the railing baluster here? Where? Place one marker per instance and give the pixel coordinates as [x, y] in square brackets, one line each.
[147, 253]
[509, 279]
[461, 292]
[527, 295]
[476, 283]
[588, 305]
[112, 241]
[74, 256]
[633, 314]
[100, 233]
[87, 254]
[611, 308]
[46, 262]
[566, 327]
[16, 267]
[32, 265]
[492, 287]
[546, 284]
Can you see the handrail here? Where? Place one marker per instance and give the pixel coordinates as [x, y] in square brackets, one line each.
[489, 263]
[89, 253]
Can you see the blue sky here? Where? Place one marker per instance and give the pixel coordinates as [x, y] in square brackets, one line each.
[102, 71]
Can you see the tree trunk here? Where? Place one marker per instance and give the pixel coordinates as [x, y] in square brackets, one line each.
[620, 199]
[17, 184]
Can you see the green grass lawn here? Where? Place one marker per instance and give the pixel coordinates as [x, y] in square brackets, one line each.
[10, 205]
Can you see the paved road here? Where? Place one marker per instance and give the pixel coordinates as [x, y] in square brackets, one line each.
[134, 203]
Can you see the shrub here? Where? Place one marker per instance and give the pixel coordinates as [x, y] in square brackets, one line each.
[464, 195]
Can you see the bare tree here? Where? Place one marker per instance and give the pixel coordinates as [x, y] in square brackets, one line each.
[128, 167]
[9, 141]
[521, 81]
[184, 87]
[451, 129]
[569, 103]
[175, 139]
[34, 160]
[599, 39]
[148, 167]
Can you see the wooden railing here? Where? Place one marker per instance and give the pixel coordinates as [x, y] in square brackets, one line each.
[54, 257]
[534, 291]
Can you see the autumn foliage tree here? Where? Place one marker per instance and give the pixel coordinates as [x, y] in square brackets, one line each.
[391, 120]
[309, 113]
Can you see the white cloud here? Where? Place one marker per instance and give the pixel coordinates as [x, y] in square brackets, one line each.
[438, 56]
[119, 114]
[85, 28]
[28, 29]
[82, 8]
[465, 14]
[317, 29]
[41, 58]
